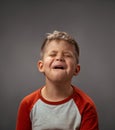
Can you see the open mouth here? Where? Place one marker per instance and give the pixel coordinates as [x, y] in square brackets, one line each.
[59, 67]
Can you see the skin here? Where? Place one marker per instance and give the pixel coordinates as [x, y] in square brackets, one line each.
[59, 66]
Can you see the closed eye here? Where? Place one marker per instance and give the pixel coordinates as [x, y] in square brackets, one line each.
[67, 55]
[52, 54]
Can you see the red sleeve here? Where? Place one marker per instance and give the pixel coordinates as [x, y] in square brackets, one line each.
[89, 119]
[86, 106]
[23, 118]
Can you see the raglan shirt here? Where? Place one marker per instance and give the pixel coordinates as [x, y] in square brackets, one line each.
[77, 112]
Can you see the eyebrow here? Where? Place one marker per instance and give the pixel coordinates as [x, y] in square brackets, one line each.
[67, 52]
[53, 51]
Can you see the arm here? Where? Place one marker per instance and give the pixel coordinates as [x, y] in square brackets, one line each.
[23, 118]
[89, 119]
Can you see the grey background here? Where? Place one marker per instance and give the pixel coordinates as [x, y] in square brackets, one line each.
[23, 26]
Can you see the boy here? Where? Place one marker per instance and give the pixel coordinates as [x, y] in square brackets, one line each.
[58, 105]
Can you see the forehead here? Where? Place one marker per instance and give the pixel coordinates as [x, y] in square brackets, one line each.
[59, 45]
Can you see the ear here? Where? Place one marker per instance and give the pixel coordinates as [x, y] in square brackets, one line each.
[40, 66]
[77, 70]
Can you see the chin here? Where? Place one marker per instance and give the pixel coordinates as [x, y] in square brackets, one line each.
[60, 79]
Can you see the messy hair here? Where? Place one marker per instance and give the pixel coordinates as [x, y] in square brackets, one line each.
[56, 35]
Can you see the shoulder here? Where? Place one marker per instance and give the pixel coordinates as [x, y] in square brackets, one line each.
[29, 100]
[82, 95]
[83, 101]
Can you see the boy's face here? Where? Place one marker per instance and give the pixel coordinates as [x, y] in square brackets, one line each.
[59, 61]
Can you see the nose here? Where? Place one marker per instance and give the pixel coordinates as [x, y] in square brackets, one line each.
[60, 57]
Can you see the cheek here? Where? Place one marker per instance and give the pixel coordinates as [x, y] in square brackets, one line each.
[72, 62]
[72, 66]
[47, 61]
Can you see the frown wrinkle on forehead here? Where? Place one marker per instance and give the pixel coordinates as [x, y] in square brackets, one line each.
[58, 46]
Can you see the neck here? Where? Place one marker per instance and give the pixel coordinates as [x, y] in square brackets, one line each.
[56, 91]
